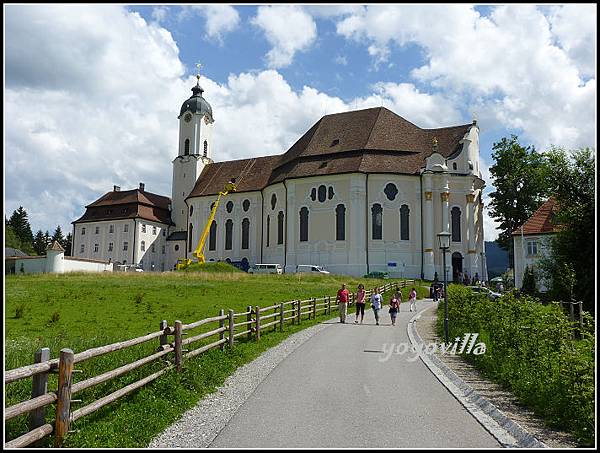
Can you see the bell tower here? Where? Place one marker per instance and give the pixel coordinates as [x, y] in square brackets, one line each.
[195, 148]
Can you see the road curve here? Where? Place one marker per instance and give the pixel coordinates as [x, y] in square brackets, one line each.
[336, 390]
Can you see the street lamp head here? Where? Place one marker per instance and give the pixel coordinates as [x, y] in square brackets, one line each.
[444, 240]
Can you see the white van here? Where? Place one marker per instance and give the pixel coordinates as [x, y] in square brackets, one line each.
[266, 269]
[311, 268]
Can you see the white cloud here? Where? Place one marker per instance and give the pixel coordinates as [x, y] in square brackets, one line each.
[289, 29]
[524, 67]
[220, 19]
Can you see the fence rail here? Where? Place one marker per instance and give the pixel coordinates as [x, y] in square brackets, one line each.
[43, 366]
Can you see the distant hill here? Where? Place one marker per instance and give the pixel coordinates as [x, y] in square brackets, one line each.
[497, 259]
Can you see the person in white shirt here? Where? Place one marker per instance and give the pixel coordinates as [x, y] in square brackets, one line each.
[376, 304]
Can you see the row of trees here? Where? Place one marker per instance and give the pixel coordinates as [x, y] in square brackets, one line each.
[18, 235]
[524, 179]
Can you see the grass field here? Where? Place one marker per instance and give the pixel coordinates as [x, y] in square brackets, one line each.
[81, 311]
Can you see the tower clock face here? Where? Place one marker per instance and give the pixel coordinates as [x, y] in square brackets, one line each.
[188, 117]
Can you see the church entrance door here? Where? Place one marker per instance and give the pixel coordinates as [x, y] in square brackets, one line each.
[457, 263]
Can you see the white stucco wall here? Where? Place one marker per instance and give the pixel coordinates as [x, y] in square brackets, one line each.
[524, 259]
[58, 263]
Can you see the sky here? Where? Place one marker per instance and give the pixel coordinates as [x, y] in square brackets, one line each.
[92, 92]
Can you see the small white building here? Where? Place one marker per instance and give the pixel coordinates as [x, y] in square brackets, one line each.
[532, 242]
[55, 262]
[125, 227]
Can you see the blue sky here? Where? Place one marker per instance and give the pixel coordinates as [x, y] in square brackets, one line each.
[108, 80]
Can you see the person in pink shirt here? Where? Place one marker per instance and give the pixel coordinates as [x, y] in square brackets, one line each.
[360, 303]
[412, 298]
[342, 300]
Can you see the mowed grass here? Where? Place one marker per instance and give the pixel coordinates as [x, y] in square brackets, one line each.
[81, 311]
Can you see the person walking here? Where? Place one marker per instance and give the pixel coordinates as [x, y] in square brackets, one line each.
[360, 303]
[412, 298]
[376, 304]
[394, 308]
[342, 300]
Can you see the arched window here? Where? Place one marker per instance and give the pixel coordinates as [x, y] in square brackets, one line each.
[187, 147]
[273, 201]
[340, 223]
[190, 237]
[229, 206]
[455, 213]
[280, 227]
[229, 234]
[245, 233]
[212, 237]
[377, 220]
[404, 218]
[390, 191]
[205, 148]
[322, 193]
[268, 229]
[304, 224]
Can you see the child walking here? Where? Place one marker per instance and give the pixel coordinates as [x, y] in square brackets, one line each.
[394, 308]
[376, 304]
[412, 298]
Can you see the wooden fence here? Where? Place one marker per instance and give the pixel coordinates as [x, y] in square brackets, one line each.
[254, 322]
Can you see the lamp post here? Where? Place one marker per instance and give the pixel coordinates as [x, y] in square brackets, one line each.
[444, 239]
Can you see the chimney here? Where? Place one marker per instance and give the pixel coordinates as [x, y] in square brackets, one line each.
[141, 187]
[116, 188]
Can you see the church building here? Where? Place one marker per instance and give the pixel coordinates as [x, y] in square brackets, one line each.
[359, 192]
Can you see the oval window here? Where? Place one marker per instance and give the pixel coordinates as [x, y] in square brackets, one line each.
[229, 206]
[176, 247]
[313, 194]
[246, 205]
[322, 193]
[273, 201]
[391, 191]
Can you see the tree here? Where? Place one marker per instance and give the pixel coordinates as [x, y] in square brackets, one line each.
[39, 243]
[529, 286]
[521, 187]
[572, 260]
[22, 229]
[68, 244]
[58, 236]
[10, 238]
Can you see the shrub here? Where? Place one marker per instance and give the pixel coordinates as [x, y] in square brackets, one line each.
[19, 310]
[531, 350]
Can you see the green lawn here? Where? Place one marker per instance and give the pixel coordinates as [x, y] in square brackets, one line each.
[81, 311]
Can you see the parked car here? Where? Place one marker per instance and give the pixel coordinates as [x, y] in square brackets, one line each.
[481, 290]
[266, 269]
[377, 274]
[311, 268]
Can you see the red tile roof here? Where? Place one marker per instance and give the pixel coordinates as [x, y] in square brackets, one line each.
[373, 140]
[542, 221]
[128, 204]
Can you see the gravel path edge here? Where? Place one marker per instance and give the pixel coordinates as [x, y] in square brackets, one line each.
[506, 431]
[199, 426]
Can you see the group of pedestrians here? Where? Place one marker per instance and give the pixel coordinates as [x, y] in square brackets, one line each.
[343, 298]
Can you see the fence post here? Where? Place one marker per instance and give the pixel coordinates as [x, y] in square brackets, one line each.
[275, 310]
[299, 312]
[231, 327]
[328, 305]
[221, 326]
[163, 338]
[63, 404]
[178, 348]
[314, 308]
[39, 387]
[257, 323]
[249, 319]
[281, 316]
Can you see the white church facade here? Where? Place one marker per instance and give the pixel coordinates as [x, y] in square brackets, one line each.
[359, 192]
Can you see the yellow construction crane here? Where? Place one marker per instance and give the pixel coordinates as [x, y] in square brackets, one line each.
[198, 253]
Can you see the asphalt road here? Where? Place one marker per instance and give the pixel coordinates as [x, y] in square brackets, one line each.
[331, 393]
